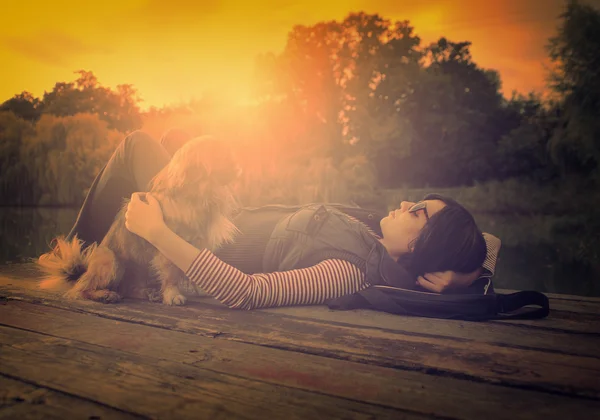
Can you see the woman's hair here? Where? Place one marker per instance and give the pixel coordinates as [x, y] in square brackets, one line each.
[450, 240]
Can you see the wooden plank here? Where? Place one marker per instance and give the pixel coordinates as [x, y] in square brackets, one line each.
[23, 401]
[560, 296]
[563, 316]
[511, 366]
[560, 321]
[559, 309]
[399, 389]
[527, 334]
[572, 317]
[162, 388]
[575, 306]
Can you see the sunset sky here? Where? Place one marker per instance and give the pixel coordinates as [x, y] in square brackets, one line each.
[172, 51]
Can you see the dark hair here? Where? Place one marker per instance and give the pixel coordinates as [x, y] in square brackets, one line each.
[450, 240]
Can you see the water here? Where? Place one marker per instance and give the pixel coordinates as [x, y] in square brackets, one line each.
[534, 257]
[27, 231]
[529, 259]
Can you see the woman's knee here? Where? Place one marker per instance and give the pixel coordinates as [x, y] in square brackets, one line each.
[140, 144]
[138, 140]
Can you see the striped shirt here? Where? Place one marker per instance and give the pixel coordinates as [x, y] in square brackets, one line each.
[308, 286]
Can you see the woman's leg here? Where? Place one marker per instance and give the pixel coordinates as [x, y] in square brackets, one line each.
[131, 167]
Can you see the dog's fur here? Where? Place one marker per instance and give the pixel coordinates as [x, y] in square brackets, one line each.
[197, 204]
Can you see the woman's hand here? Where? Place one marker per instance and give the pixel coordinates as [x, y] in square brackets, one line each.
[145, 219]
[442, 281]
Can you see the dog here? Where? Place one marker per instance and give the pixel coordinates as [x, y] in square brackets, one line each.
[197, 203]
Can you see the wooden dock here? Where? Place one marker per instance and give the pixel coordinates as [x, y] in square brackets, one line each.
[86, 360]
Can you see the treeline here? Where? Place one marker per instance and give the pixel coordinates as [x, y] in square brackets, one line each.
[346, 108]
[51, 148]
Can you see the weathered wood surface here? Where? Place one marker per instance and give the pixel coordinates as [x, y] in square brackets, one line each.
[162, 388]
[207, 361]
[23, 401]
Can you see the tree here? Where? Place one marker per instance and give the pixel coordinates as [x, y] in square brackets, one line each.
[24, 105]
[523, 151]
[339, 79]
[364, 87]
[455, 110]
[118, 108]
[303, 79]
[64, 154]
[384, 66]
[15, 183]
[575, 79]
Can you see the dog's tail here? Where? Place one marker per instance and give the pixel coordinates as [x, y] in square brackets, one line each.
[64, 265]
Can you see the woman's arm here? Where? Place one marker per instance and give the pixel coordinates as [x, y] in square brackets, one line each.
[493, 245]
[447, 280]
[145, 219]
[309, 286]
[176, 249]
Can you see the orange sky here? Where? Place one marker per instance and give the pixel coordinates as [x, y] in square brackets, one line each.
[174, 50]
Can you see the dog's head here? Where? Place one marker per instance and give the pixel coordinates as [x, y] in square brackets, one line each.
[201, 163]
[194, 194]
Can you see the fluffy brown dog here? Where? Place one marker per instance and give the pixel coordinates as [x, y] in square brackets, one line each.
[197, 204]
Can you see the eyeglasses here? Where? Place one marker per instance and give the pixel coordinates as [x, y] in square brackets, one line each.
[420, 206]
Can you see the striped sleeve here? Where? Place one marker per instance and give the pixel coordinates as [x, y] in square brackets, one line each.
[493, 245]
[308, 286]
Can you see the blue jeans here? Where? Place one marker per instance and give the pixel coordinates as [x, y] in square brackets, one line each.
[137, 159]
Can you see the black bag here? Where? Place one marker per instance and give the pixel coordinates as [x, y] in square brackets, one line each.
[469, 307]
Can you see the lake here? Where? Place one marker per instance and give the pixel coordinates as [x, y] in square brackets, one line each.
[530, 259]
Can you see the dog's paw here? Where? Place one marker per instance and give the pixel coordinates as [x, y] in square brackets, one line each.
[154, 295]
[111, 297]
[74, 294]
[103, 296]
[172, 296]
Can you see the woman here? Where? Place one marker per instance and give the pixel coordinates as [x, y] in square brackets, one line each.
[308, 255]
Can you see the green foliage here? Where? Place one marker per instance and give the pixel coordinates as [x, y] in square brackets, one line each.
[63, 156]
[454, 111]
[119, 108]
[365, 87]
[85, 95]
[575, 78]
[523, 151]
[14, 181]
[24, 105]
